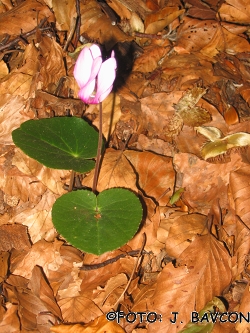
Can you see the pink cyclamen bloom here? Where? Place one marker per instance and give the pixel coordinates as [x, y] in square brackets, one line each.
[94, 77]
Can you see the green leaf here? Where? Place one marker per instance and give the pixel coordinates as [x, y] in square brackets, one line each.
[97, 224]
[59, 143]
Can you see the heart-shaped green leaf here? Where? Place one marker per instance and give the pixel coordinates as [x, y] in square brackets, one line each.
[97, 224]
[59, 143]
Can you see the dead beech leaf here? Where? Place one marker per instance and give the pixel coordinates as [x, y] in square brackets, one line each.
[150, 59]
[42, 254]
[158, 117]
[97, 26]
[209, 37]
[12, 22]
[4, 265]
[99, 325]
[78, 309]
[40, 288]
[10, 322]
[202, 271]
[14, 236]
[235, 11]
[183, 231]
[156, 22]
[111, 113]
[53, 68]
[113, 289]
[191, 114]
[156, 174]
[10, 116]
[115, 171]
[239, 186]
[204, 182]
[244, 326]
[65, 13]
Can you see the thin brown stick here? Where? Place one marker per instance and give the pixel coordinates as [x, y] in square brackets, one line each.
[99, 151]
[23, 36]
[133, 272]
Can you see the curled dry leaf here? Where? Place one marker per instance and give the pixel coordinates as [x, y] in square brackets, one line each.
[191, 114]
[221, 146]
[99, 325]
[201, 272]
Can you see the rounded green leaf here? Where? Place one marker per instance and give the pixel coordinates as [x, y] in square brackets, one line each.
[97, 224]
[59, 143]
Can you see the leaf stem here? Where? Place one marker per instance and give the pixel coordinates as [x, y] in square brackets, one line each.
[72, 180]
[99, 151]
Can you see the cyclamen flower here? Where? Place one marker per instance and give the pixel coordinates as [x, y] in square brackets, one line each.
[94, 77]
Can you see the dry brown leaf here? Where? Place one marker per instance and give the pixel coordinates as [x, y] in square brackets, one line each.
[111, 112]
[156, 174]
[204, 182]
[12, 22]
[239, 185]
[11, 321]
[244, 326]
[115, 171]
[4, 263]
[150, 59]
[14, 236]
[112, 290]
[202, 271]
[10, 116]
[183, 231]
[54, 68]
[158, 117]
[65, 14]
[209, 37]
[99, 325]
[156, 22]
[236, 11]
[78, 309]
[96, 25]
[42, 254]
[40, 288]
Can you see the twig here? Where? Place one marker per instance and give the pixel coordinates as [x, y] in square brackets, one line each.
[71, 33]
[111, 261]
[99, 151]
[133, 272]
[78, 21]
[23, 36]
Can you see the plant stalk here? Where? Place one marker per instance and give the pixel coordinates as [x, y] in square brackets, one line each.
[99, 151]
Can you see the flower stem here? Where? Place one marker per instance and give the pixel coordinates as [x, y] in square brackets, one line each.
[99, 151]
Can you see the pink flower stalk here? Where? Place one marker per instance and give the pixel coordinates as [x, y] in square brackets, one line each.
[94, 77]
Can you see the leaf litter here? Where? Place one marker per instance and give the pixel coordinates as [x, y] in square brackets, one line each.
[177, 123]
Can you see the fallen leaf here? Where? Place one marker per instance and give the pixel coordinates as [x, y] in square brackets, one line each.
[99, 325]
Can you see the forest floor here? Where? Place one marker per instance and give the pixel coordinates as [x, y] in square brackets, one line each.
[176, 126]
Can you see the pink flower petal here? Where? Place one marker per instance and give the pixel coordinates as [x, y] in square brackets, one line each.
[85, 93]
[105, 78]
[95, 51]
[82, 70]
